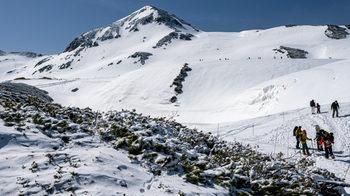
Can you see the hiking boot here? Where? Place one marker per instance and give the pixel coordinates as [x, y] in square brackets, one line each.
[304, 153]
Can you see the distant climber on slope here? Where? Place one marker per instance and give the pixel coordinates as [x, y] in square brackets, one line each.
[312, 105]
[335, 107]
[318, 108]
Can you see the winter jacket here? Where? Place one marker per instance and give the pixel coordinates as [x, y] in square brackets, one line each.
[327, 142]
[312, 103]
[297, 132]
[303, 138]
[335, 105]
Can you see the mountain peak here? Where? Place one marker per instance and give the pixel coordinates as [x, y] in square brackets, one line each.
[129, 24]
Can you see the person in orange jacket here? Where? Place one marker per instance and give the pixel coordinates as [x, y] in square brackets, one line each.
[302, 138]
[327, 142]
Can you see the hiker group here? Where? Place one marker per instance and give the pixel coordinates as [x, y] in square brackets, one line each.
[323, 138]
[334, 107]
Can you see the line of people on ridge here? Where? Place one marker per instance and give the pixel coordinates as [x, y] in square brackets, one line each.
[334, 107]
[323, 138]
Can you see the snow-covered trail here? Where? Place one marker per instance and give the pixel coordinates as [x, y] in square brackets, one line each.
[273, 134]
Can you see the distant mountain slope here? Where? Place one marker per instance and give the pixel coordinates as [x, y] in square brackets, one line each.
[134, 62]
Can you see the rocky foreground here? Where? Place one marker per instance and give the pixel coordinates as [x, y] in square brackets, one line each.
[160, 145]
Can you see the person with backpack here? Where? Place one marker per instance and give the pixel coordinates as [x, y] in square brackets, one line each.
[312, 105]
[335, 107]
[327, 142]
[296, 133]
[318, 138]
[302, 138]
[318, 108]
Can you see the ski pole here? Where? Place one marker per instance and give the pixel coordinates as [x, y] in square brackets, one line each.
[346, 172]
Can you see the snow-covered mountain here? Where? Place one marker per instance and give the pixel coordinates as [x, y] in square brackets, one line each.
[258, 81]
[134, 62]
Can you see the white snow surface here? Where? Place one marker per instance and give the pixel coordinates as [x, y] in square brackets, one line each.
[239, 88]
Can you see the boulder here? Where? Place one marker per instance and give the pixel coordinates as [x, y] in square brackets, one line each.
[336, 32]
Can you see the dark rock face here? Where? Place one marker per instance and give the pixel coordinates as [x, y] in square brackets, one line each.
[347, 26]
[46, 68]
[178, 81]
[336, 32]
[2, 53]
[173, 35]
[143, 56]
[26, 54]
[66, 65]
[292, 53]
[42, 61]
[290, 25]
[26, 89]
[84, 40]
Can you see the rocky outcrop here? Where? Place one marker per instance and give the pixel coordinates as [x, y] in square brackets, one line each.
[42, 61]
[142, 55]
[26, 54]
[292, 53]
[66, 65]
[2, 53]
[85, 40]
[178, 81]
[25, 89]
[336, 32]
[173, 35]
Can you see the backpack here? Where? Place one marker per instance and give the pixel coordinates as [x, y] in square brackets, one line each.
[331, 136]
[327, 142]
[323, 133]
[295, 128]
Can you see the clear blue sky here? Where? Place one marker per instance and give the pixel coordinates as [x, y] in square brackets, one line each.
[48, 26]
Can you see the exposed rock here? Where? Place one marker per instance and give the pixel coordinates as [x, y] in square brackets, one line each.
[77, 53]
[66, 65]
[290, 25]
[25, 89]
[347, 26]
[143, 56]
[173, 35]
[45, 68]
[84, 40]
[2, 53]
[43, 61]
[178, 81]
[292, 52]
[336, 32]
[27, 54]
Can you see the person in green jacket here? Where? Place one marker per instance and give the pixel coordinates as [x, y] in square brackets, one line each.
[302, 138]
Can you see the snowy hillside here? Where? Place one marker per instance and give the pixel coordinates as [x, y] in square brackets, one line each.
[49, 149]
[246, 86]
[129, 70]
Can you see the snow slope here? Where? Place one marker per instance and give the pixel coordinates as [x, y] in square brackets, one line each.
[237, 80]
